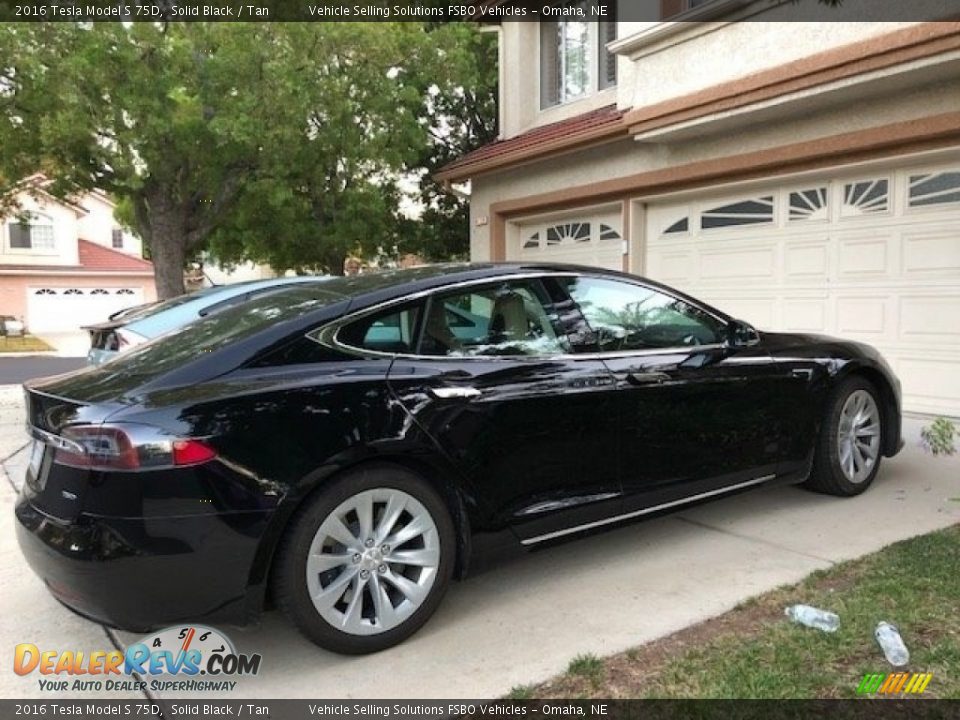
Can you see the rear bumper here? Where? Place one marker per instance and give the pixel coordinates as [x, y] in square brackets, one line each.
[144, 573]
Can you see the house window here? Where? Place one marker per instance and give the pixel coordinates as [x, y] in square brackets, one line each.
[669, 8]
[574, 61]
[36, 234]
[117, 238]
[866, 197]
[568, 233]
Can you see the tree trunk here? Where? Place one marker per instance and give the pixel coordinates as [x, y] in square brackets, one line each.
[169, 256]
[168, 244]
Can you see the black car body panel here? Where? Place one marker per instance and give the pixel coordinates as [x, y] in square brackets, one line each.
[540, 447]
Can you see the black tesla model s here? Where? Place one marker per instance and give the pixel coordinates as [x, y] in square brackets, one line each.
[352, 446]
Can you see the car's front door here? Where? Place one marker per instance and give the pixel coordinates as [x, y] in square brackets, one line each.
[697, 415]
[496, 382]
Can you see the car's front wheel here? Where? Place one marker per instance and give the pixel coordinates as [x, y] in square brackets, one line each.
[849, 448]
[366, 561]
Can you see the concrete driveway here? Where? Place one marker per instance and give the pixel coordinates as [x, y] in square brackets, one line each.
[523, 621]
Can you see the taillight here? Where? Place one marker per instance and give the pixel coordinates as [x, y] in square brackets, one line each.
[127, 447]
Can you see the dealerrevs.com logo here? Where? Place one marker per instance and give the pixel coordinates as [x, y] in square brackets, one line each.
[179, 658]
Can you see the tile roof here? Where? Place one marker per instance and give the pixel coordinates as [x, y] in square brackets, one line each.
[98, 257]
[559, 136]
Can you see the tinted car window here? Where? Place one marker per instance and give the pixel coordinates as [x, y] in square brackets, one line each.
[392, 331]
[631, 317]
[210, 333]
[509, 318]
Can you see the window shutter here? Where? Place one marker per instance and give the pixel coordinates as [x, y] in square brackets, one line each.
[607, 72]
[20, 236]
[549, 63]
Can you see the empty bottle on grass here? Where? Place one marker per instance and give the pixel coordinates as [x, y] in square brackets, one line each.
[888, 637]
[813, 617]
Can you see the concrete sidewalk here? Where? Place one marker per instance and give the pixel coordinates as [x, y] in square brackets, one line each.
[523, 622]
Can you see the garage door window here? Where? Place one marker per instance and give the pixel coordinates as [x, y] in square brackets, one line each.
[754, 211]
[808, 204]
[866, 197]
[934, 189]
[632, 317]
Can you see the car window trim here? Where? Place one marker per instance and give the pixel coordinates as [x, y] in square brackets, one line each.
[326, 334]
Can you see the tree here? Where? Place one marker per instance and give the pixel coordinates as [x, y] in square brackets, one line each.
[460, 114]
[345, 129]
[166, 118]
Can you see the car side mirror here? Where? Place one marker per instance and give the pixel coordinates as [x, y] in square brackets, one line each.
[741, 334]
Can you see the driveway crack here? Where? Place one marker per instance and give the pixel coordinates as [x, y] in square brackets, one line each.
[112, 636]
[751, 538]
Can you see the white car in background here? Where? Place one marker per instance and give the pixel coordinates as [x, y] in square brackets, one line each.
[134, 326]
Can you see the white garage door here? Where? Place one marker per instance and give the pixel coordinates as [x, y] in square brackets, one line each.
[873, 257]
[586, 238]
[62, 309]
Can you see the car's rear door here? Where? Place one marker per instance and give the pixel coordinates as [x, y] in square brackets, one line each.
[696, 416]
[498, 385]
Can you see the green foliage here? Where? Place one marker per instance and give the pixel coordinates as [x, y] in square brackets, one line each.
[938, 437]
[279, 143]
[586, 665]
[520, 692]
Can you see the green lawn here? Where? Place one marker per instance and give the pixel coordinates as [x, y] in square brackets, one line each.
[27, 343]
[754, 651]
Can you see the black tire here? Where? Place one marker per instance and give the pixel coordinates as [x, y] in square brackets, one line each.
[290, 581]
[827, 476]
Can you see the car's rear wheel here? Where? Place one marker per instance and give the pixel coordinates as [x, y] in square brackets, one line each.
[849, 448]
[366, 561]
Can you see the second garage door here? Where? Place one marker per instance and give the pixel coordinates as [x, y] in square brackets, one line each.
[872, 256]
[64, 309]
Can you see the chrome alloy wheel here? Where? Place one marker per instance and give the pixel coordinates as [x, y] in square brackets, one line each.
[858, 436]
[373, 561]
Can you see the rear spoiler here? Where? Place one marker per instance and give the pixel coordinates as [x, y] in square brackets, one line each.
[109, 325]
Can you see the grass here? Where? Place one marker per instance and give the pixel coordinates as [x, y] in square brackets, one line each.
[754, 651]
[26, 343]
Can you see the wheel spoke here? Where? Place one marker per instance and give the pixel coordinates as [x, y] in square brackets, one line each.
[426, 557]
[351, 616]
[417, 526]
[386, 614]
[857, 457]
[365, 514]
[333, 526]
[868, 431]
[409, 589]
[329, 595]
[395, 506]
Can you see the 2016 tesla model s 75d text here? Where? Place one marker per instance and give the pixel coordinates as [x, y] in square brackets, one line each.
[353, 446]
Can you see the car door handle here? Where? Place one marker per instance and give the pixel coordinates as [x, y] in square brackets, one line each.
[645, 378]
[454, 393]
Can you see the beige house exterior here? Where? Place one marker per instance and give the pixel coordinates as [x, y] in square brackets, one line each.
[64, 264]
[802, 176]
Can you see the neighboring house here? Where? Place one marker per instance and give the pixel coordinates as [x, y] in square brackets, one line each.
[802, 176]
[65, 264]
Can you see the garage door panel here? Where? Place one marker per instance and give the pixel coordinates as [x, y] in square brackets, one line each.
[933, 386]
[806, 261]
[808, 315]
[932, 253]
[862, 317]
[737, 263]
[930, 319]
[672, 267]
[860, 256]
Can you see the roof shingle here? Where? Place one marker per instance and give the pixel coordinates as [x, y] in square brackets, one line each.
[98, 257]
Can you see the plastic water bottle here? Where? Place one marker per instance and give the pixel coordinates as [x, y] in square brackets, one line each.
[813, 617]
[888, 637]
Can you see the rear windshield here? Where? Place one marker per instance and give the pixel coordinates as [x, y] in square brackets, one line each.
[213, 332]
